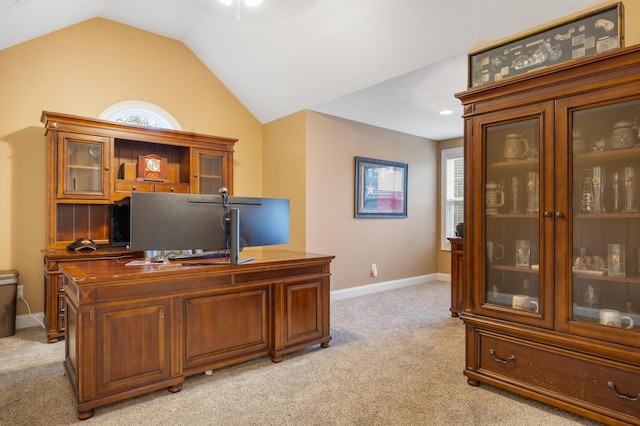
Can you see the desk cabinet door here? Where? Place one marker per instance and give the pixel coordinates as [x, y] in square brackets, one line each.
[133, 348]
[225, 326]
[305, 311]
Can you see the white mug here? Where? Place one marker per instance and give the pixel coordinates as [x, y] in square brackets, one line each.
[524, 303]
[613, 317]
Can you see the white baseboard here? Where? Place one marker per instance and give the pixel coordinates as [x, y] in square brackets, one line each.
[347, 293]
[444, 277]
[37, 319]
[30, 320]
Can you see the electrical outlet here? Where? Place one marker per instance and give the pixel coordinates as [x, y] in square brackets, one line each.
[374, 270]
[20, 292]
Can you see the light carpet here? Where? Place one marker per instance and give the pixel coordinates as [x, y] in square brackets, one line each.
[396, 358]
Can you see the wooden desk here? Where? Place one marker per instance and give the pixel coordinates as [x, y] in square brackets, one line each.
[135, 329]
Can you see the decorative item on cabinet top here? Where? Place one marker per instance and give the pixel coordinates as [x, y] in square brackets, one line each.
[578, 37]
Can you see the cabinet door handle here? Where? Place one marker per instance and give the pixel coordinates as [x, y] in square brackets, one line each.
[512, 358]
[548, 214]
[612, 386]
[195, 175]
[106, 168]
[559, 215]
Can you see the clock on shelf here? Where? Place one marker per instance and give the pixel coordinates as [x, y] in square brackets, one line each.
[152, 167]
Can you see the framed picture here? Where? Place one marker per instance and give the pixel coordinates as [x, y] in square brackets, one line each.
[584, 35]
[381, 188]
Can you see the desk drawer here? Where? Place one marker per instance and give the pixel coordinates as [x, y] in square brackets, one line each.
[588, 381]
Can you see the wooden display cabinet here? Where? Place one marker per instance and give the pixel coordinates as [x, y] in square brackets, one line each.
[552, 179]
[92, 164]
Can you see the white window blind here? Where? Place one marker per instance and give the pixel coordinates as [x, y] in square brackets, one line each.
[452, 168]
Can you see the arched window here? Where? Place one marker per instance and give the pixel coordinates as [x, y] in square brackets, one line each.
[140, 113]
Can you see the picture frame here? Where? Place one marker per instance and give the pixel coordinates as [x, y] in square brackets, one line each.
[580, 36]
[380, 188]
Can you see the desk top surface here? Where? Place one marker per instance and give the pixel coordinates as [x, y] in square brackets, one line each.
[117, 269]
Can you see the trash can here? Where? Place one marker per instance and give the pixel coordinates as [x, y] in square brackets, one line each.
[8, 291]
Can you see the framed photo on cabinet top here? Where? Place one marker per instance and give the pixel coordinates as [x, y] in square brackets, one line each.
[380, 188]
[580, 36]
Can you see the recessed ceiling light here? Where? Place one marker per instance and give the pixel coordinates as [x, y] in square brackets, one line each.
[446, 112]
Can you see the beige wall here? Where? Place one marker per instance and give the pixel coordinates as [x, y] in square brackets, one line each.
[311, 160]
[82, 70]
[284, 154]
[401, 248]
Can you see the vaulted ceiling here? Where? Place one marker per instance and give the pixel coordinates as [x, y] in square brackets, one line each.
[388, 63]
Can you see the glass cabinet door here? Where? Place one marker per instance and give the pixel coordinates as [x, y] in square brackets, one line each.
[605, 242]
[209, 175]
[513, 249]
[84, 167]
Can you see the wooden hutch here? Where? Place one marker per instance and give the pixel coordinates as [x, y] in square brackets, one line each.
[457, 272]
[94, 165]
[556, 319]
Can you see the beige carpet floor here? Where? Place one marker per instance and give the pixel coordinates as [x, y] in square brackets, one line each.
[396, 358]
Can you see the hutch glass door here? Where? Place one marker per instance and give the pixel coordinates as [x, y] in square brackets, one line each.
[209, 176]
[606, 223]
[84, 167]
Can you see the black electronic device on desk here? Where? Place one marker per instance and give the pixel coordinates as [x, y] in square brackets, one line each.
[216, 223]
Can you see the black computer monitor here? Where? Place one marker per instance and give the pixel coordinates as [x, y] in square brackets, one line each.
[167, 221]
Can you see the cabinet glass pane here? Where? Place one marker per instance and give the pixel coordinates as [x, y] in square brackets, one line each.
[606, 222]
[512, 206]
[210, 174]
[83, 167]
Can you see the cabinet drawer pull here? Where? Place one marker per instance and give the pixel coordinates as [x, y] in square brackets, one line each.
[512, 358]
[172, 189]
[612, 386]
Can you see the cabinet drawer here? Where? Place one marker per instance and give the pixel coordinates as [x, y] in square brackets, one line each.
[130, 186]
[60, 281]
[142, 186]
[182, 188]
[586, 380]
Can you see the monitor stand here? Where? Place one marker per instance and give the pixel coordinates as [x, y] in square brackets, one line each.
[234, 255]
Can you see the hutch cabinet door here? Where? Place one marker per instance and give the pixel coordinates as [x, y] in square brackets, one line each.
[510, 235]
[83, 166]
[602, 238]
[210, 169]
